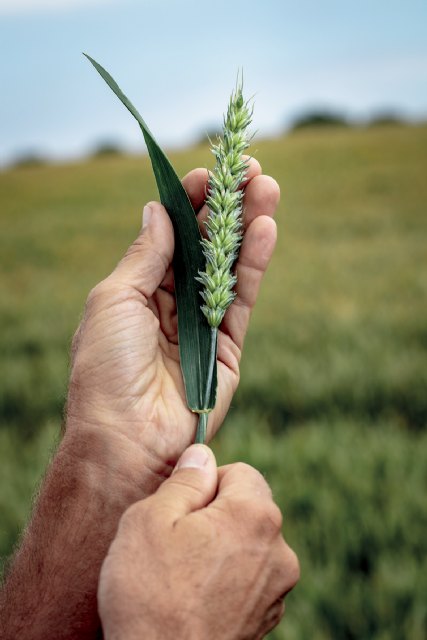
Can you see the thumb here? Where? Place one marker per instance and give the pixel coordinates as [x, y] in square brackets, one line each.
[192, 485]
[147, 259]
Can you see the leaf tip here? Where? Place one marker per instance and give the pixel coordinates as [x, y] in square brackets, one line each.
[86, 55]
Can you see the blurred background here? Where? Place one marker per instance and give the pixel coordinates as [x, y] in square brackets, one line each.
[332, 405]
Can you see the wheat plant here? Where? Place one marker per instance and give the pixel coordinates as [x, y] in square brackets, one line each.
[223, 225]
[202, 266]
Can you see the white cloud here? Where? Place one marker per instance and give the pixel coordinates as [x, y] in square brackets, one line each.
[11, 7]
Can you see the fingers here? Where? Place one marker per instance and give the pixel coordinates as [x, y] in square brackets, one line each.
[191, 486]
[262, 193]
[262, 196]
[242, 479]
[289, 569]
[196, 182]
[258, 181]
[148, 258]
[255, 255]
[271, 618]
[244, 494]
[163, 305]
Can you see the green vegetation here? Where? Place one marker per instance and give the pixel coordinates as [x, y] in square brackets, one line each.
[332, 405]
[320, 119]
[107, 148]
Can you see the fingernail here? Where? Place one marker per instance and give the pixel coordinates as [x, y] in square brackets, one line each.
[195, 457]
[146, 215]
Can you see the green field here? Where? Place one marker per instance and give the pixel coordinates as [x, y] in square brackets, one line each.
[332, 405]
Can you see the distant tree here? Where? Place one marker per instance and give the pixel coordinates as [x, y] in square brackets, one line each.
[319, 119]
[107, 148]
[386, 118]
[29, 159]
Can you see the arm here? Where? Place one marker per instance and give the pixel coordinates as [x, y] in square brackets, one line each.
[127, 421]
[202, 558]
[50, 591]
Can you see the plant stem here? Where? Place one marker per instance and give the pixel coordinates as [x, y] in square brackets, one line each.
[201, 428]
[203, 417]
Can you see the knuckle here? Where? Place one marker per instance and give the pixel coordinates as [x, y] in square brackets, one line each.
[241, 468]
[106, 294]
[294, 567]
[289, 567]
[135, 247]
[260, 515]
[143, 246]
[267, 517]
[277, 613]
[272, 618]
[252, 477]
[272, 517]
[97, 293]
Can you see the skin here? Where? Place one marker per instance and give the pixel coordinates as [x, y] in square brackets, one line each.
[125, 369]
[202, 558]
[127, 422]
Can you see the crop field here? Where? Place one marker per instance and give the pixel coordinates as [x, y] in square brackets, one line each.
[332, 405]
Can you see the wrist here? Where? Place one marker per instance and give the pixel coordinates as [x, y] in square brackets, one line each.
[160, 625]
[119, 466]
[51, 587]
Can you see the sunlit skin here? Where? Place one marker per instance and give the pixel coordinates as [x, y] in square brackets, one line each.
[203, 558]
[125, 352]
[127, 422]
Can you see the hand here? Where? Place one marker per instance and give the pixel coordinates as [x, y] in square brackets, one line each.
[127, 421]
[201, 558]
[126, 384]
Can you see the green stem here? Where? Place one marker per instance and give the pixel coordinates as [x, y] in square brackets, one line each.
[201, 428]
[203, 417]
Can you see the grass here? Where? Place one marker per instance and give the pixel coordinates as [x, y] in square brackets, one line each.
[353, 499]
[332, 404]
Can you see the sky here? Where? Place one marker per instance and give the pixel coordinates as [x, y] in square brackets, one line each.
[178, 61]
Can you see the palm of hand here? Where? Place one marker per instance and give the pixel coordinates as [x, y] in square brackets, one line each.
[126, 356]
[132, 367]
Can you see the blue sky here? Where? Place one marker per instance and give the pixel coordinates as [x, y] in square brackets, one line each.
[178, 61]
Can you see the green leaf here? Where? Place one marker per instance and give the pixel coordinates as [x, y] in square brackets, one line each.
[193, 331]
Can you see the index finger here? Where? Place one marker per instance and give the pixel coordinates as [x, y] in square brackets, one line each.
[244, 495]
[241, 479]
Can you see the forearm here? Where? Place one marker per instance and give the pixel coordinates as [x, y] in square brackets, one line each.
[50, 589]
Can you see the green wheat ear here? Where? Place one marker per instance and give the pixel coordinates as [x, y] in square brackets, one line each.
[223, 227]
[224, 200]
[209, 261]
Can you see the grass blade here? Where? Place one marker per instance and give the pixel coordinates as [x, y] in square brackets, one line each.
[193, 331]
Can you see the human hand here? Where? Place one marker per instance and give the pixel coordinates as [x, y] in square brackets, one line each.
[126, 400]
[201, 558]
[127, 421]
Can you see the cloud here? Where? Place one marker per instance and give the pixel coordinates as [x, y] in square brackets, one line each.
[12, 7]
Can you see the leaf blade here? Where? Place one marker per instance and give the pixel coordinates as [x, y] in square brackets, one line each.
[193, 330]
